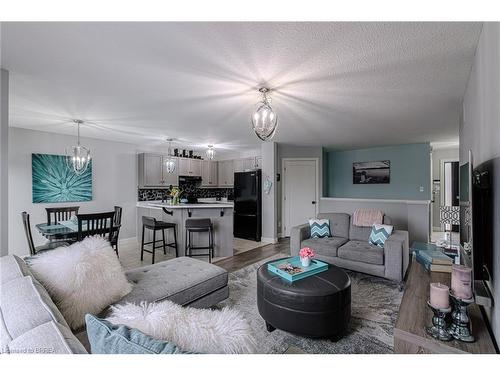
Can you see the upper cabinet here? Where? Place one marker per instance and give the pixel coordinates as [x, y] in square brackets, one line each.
[226, 173]
[209, 173]
[152, 171]
[241, 165]
[189, 167]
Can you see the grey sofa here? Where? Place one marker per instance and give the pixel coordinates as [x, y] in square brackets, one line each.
[349, 248]
[31, 323]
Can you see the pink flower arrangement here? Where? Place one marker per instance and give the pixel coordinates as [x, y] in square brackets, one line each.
[306, 252]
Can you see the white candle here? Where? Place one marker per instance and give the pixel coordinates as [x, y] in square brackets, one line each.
[439, 298]
[461, 281]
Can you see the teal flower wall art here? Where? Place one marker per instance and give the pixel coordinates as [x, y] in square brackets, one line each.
[54, 182]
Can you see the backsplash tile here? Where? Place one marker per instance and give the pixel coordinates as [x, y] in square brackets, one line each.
[157, 194]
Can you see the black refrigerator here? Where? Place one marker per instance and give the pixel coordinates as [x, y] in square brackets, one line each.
[248, 205]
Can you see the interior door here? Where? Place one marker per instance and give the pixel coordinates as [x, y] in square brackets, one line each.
[299, 192]
[451, 194]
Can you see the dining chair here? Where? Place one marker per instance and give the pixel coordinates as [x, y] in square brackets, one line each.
[117, 222]
[37, 249]
[98, 224]
[57, 214]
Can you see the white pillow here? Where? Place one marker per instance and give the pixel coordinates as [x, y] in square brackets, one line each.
[83, 278]
[223, 331]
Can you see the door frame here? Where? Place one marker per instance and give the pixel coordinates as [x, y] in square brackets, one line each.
[283, 184]
[442, 162]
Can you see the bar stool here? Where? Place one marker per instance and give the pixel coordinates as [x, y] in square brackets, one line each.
[152, 224]
[199, 226]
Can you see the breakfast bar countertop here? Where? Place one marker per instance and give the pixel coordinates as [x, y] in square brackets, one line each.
[159, 205]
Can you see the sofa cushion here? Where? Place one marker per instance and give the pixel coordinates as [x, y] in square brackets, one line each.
[47, 338]
[25, 304]
[327, 246]
[181, 280]
[339, 223]
[12, 267]
[106, 338]
[362, 251]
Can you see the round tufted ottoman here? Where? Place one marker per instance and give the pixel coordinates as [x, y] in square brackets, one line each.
[317, 306]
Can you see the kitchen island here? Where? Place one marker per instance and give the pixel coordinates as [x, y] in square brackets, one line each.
[221, 214]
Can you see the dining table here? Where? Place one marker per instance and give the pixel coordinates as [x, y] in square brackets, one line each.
[63, 230]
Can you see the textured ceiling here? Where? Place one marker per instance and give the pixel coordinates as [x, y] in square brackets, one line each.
[341, 85]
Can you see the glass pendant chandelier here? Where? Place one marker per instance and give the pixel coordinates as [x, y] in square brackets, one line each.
[78, 157]
[264, 119]
[210, 152]
[170, 162]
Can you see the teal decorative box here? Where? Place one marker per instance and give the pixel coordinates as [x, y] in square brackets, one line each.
[295, 270]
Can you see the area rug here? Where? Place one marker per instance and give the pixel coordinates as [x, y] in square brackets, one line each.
[375, 303]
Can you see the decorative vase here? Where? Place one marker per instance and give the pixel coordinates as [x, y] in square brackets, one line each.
[306, 262]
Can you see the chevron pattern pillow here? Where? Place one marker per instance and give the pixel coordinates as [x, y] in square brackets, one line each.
[379, 234]
[319, 228]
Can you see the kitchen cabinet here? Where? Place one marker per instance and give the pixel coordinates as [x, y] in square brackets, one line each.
[238, 165]
[242, 165]
[153, 173]
[209, 173]
[189, 167]
[226, 173]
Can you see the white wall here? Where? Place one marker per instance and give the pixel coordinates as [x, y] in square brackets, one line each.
[412, 216]
[480, 132]
[269, 201]
[114, 181]
[4, 156]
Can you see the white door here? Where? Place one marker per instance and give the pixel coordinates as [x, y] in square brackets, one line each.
[300, 189]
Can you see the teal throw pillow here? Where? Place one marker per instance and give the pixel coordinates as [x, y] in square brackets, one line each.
[106, 338]
[319, 228]
[380, 233]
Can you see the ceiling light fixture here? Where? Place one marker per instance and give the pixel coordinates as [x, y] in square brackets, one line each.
[264, 119]
[78, 157]
[170, 162]
[211, 152]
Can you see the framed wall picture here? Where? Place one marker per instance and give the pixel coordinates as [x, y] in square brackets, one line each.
[53, 181]
[371, 172]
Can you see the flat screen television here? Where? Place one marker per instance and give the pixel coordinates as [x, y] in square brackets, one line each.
[476, 223]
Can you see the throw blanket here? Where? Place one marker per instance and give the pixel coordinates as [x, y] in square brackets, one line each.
[366, 218]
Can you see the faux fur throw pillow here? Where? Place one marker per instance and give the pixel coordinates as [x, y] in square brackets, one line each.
[195, 330]
[83, 278]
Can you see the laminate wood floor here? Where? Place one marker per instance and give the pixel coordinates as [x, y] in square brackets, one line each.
[242, 260]
[130, 255]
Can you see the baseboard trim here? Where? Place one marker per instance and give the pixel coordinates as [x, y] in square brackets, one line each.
[269, 240]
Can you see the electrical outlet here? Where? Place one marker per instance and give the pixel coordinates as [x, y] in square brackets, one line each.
[421, 189]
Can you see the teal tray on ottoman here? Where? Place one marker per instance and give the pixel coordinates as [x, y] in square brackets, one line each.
[299, 271]
[315, 306]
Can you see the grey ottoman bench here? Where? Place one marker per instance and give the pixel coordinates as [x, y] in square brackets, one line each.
[30, 321]
[185, 281]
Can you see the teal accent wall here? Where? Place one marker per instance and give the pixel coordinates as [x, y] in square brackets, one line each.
[410, 169]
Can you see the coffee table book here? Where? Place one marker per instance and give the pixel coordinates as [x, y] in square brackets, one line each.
[296, 271]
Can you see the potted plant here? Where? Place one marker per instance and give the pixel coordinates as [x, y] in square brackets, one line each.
[306, 254]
